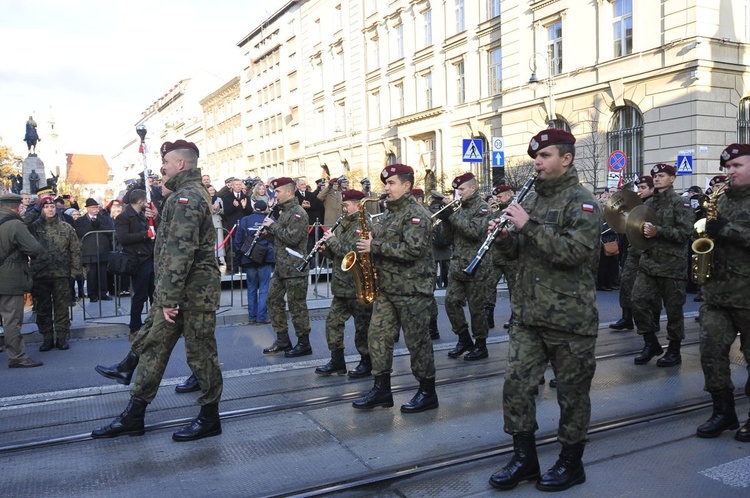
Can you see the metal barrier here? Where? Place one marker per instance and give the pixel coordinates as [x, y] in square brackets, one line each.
[99, 235]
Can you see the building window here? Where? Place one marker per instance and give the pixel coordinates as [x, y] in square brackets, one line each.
[460, 83]
[427, 86]
[399, 41]
[496, 70]
[623, 27]
[554, 47]
[317, 32]
[373, 61]
[375, 109]
[493, 9]
[337, 18]
[460, 22]
[427, 27]
[338, 60]
[340, 117]
[743, 121]
[398, 100]
[626, 134]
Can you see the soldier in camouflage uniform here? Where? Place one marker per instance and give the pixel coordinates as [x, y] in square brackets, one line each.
[401, 252]
[52, 271]
[556, 245]
[469, 226]
[662, 269]
[726, 310]
[188, 287]
[345, 303]
[500, 266]
[289, 231]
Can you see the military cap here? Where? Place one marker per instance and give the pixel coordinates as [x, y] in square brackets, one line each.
[734, 151]
[320, 182]
[695, 189]
[260, 205]
[663, 168]
[365, 181]
[229, 180]
[550, 136]
[91, 202]
[352, 195]
[500, 189]
[11, 198]
[168, 147]
[717, 179]
[436, 195]
[393, 170]
[342, 179]
[461, 179]
[280, 182]
[648, 180]
[129, 182]
[47, 199]
[417, 192]
[44, 191]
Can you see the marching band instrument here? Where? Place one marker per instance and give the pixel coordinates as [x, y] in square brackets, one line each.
[504, 222]
[301, 267]
[703, 247]
[639, 216]
[363, 273]
[257, 236]
[618, 207]
[454, 204]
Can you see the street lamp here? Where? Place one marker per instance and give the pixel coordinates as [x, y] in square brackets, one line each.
[534, 82]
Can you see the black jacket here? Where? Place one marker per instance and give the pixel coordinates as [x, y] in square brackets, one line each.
[84, 225]
[131, 229]
[232, 213]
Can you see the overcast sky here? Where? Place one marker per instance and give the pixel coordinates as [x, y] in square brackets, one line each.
[97, 64]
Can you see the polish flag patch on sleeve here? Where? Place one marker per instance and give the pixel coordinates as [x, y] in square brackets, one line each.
[415, 221]
[686, 205]
[589, 208]
[296, 216]
[484, 211]
[182, 200]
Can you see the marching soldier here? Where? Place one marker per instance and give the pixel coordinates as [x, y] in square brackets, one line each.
[662, 269]
[289, 232]
[500, 265]
[344, 303]
[726, 310]
[469, 225]
[401, 251]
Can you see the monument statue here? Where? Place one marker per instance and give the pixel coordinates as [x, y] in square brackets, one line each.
[32, 137]
[33, 181]
[52, 182]
[16, 182]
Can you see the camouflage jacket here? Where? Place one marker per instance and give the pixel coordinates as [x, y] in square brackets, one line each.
[469, 226]
[497, 256]
[186, 271]
[347, 235]
[729, 284]
[402, 249]
[668, 257]
[61, 257]
[290, 230]
[557, 252]
[16, 245]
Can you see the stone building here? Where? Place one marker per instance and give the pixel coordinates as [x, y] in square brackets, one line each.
[222, 153]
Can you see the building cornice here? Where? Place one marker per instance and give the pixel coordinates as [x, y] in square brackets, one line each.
[418, 116]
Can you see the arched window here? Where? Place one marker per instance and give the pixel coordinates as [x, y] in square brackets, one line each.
[626, 134]
[743, 121]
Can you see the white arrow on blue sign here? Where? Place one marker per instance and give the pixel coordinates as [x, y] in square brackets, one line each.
[498, 158]
[472, 150]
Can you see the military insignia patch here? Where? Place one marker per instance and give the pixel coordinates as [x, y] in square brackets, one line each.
[534, 144]
[415, 221]
[484, 211]
[687, 205]
[183, 200]
[725, 155]
[358, 232]
[589, 208]
[296, 216]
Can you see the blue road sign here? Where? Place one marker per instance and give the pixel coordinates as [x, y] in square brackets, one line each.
[617, 161]
[473, 150]
[498, 158]
[684, 165]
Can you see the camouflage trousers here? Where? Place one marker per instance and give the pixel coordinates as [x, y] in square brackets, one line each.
[719, 327]
[52, 296]
[648, 294]
[627, 280]
[473, 291]
[496, 273]
[140, 337]
[198, 328]
[341, 309]
[411, 314]
[295, 290]
[572, 358]
[433, 309]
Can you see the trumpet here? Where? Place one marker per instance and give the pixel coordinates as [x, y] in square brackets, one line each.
[301, 267]
[454, 204]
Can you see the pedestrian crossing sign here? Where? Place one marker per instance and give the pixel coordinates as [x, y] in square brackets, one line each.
[473, 150]
[685, 164]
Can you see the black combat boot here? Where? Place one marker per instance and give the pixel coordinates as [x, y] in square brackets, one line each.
[479, 352]
[379, 395]
[723, 418]
[490, 312]
[282, 344]
[189, 386]
[47, 343]
[463, 345]
[434, 334]
[523, 465]
[337, 364]
[302, 348]
[672, 357]
[123, 371]
[624, 323]
[425, 399]
[364, 369]
[567, 471]
[207, 424]
[651, 348]
[62, 342]
[743, 435]
[129, 422]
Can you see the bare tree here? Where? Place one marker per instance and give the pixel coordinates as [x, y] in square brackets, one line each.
[592, 151]
[518, 169]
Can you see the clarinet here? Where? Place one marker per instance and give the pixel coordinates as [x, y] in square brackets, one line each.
[472, 268]
[258, 234]
[301, 267]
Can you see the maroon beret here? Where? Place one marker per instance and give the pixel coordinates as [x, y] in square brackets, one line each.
[500, 189]
[280, 182]
[648, 180]
[417, 192]
[352, 195]
[461, 179]
[168, 147]
[47, 199]
[734, 151]
[663, 168]
[550, 136]
[395, 169]
[717, 179]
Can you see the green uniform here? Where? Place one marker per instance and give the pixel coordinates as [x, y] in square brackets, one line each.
[289, 231]
[401, 251]
[469, 226]
[554, 305]
[726, 310]
[662, 269]
[500, 266]
[187, 277]
[344, 303]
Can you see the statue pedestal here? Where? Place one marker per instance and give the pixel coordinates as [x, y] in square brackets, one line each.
[33, 163]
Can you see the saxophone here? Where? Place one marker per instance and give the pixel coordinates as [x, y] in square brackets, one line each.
[363, 273]
[703, 247]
